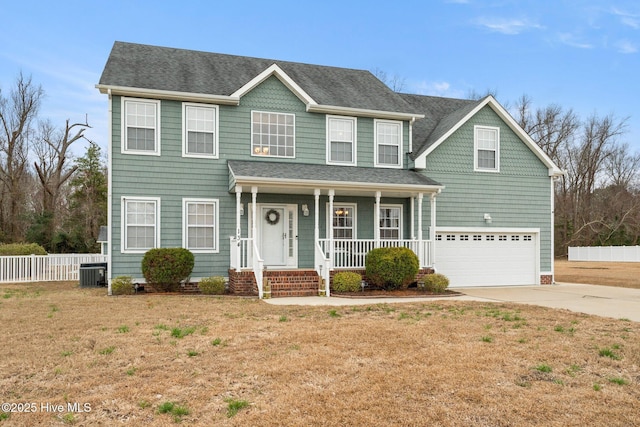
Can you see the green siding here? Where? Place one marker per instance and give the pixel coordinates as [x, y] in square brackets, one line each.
[518, 196]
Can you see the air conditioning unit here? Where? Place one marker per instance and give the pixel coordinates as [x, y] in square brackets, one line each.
[92, 275]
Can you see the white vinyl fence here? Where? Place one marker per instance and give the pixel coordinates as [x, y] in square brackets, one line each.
[605, 253]
[44, 268]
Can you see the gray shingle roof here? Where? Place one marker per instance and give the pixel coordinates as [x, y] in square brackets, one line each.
[441, 114]
[162, 68]
[312, 173]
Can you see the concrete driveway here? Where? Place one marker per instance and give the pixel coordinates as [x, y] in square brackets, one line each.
[607, 301]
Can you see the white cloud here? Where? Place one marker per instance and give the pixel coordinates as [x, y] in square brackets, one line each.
[441, 88]
[511, 26]
[573, 41]
[629, 19]
[625, 46]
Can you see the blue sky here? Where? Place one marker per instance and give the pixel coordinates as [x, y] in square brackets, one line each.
[583, 55]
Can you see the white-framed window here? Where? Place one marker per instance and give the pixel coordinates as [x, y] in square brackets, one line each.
[486, 149]
[391, 222]
[140, 126]
[200, 225]
[199, 130]
[344, 220]
[341, 140]
[140, 224]
[388, 143]
[273, 134]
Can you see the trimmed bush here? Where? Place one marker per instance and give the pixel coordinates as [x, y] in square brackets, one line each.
[436, 283]
[212, 285]
[122, 285]
[21, 249]
[347, 281]
[392, 268]
[165, 268]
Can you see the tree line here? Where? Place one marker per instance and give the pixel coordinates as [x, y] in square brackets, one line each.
[46, 195]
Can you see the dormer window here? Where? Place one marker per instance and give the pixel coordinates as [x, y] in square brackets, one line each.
[487, 149]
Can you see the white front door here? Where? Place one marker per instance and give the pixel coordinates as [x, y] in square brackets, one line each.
[277, 230]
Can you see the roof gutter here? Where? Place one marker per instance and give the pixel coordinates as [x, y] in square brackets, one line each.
[168, 94]
[332, 109]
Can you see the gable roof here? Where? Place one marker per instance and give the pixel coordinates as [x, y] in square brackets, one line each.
[137, 69]
[443, 116]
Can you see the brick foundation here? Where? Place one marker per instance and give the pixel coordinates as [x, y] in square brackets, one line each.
[293, 283]
[546, 279]
[242, 283]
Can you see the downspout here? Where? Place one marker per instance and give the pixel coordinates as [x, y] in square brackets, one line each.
[110, 192]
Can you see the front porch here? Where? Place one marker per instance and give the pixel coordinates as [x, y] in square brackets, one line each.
[278, 254]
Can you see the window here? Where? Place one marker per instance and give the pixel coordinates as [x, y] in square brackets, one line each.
[388, 143]
[490, 238]
[140, 123]
[502, 238]
[391, 222]
[341, 140]
[200, 217]
[140, 224]
[527, 238]
[487, 149]
[344, 222]
[200, 130]
[451, 237]
[477, 237]
[272, 134]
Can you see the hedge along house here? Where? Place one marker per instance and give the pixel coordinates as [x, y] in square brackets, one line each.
[289, 172]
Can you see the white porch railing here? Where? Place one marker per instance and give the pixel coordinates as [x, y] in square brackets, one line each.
[352, 253]
[45, 268]
[244, 255]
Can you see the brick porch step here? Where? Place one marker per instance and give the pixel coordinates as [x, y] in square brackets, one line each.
[292, 283]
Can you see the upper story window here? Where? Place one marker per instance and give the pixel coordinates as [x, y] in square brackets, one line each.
[140, 224]
[141, 126]
[341, 140]
[200, 130]
[487, 149]
[272, 134]
[388, 143]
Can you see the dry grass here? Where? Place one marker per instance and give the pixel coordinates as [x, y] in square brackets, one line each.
[620, 274]
[445, 363]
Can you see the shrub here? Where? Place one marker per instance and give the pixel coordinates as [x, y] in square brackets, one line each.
[392, 268]
[436, 283]
[165, 268]
[21, 249]
[347, 281]
[122, 285]
[212, 285]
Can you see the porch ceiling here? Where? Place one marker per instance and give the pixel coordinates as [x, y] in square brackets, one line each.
[300, 178]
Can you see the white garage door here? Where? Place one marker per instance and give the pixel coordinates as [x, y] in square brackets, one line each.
[487, 259]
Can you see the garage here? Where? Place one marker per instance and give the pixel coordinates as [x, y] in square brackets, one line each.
[481, 257]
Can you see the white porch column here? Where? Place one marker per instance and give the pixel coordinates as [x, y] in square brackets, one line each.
[332, 193]
[413, 217]
[238, 213]
[316, 214]
[420, 197]
[432, 232]
[376, 220]
[254, 209]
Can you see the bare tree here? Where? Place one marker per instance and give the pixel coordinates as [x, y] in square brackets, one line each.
[17, 113]
[395, 82]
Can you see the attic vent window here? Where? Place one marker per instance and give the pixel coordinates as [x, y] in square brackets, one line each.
[272, 134]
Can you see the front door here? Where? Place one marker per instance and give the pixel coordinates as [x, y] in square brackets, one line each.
[277, 235]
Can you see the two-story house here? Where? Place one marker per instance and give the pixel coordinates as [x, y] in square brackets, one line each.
[266, 168]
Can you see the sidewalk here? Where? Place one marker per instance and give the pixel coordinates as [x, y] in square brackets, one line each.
[606, 301]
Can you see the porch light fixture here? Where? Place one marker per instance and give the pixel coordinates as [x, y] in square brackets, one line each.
[305, 210]
[487, 218]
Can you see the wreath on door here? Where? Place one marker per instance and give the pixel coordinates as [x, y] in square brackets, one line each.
[272, 217]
